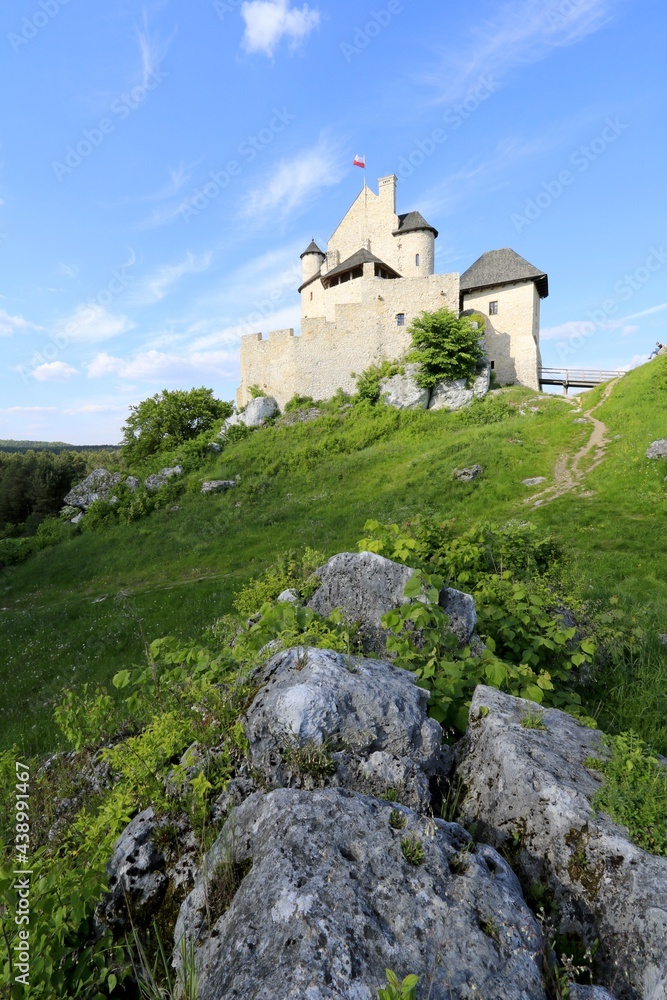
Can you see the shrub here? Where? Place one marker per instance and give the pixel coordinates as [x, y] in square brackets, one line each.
[368, 383]
[298, 402]
[445, 346]
[168, 419]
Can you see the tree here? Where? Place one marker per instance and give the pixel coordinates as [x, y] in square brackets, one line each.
[446, 346]
[168, 419]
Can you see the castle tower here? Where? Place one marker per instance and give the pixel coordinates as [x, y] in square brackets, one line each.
[312, 259]
[416, 245]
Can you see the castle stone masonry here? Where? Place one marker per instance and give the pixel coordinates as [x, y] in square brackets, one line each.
[359, 299]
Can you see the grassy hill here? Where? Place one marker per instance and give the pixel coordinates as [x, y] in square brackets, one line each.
[70, 614]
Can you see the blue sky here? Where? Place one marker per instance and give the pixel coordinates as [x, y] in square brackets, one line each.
[162, 166]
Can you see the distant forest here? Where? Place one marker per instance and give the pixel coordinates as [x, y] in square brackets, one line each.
[34, 482]
[53, 446]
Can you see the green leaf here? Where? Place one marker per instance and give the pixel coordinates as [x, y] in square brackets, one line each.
[121, 679]
[112, 982]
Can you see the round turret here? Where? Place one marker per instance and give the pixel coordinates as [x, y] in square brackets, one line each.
[312, 259]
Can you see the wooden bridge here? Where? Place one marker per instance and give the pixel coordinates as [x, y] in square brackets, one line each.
[576, 378]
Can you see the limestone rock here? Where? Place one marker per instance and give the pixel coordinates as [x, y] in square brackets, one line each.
[581, 420]
[529, 792]
[534, 481]
[215, 447]
[468, 475]
[132, 483]
[135, 874]
[218, 485]
[99, 485]
[577, 992]
[455, 394]
[289, 596]
[256, 413]
[656, 450]
[365, 586]
[462, 613]
[155, 482]
[169, 472]
[402, 391]
[369, 716]
[325, 901]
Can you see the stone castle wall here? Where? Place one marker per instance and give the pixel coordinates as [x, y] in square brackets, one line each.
[512, 337]
[352, 336]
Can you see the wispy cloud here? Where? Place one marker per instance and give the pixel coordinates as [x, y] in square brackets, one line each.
[157, 286]
[520, 33]
[91, 323]
[10, 324]
[152, 51]
[54, 371]
[295, 183]
[267, 22]
[158, 366]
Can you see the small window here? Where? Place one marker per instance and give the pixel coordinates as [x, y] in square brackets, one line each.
[493, 308]
[416, 260]
[400, 319]
[493, 365]
[311, 296]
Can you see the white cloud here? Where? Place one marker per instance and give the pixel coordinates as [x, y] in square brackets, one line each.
[296, 181]
[30, 409]
[95, 408]
[54, 371]
[157, 366]
[9, 324]
[91, 323]
[519, 34]
[268, 21]
[158, 284]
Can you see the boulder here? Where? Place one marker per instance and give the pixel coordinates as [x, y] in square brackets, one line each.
[218, 485]
[534, 481]
[311, 895]
[468, 475]
[257, 412]
[577, 992]
[135, 875]
[454, 394]
[529, 791]
[155, 482]
[402, 391]
[365, 586]
[99, 485]
[365, 721]
[215, 447]
[656, 450]
[289, 596]
[132, 483]
[169, 472]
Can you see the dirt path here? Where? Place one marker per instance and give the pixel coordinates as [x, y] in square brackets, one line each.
[568, 473]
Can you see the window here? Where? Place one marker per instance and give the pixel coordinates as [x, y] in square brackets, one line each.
[311, 296]
[493, 308]
[400, 319]
[416, 260]
[493, 365]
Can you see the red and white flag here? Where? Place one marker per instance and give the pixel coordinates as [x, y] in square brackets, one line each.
[360, 161]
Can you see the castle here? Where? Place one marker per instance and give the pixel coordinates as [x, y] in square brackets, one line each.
[359, 298]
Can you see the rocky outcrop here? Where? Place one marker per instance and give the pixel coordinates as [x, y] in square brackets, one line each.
[402, 391]
[529, 791]
[534, 480]
[455, 393]
[365, 586]
[99, 485]
[159, 479]
[658, 449]
[326, 718]
[257, 412]
[468, 475]
[314, 894]
[218, 485]
[135, 874]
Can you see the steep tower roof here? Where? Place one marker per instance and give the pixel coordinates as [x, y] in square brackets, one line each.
[502, 267]
[412, 222]
[313, 248]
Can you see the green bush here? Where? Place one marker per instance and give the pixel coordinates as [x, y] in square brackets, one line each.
[168, 419]
[368, 383]
[445, 346]
[298, 402]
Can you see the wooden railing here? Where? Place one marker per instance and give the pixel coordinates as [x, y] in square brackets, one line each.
[576, 378]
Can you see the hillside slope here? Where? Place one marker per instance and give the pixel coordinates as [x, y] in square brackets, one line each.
[71, 614]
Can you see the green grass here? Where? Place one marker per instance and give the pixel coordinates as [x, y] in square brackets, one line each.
[316, 484]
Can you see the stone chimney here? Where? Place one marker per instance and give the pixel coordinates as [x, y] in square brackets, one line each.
[387, 189]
